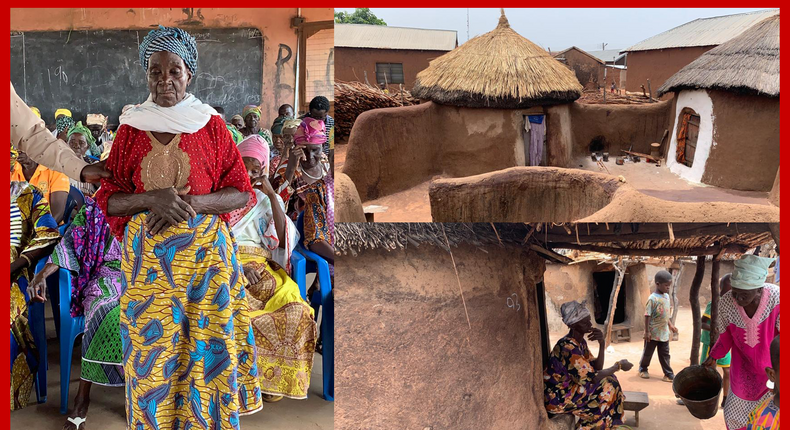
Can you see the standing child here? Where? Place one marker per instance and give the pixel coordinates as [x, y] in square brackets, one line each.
[724, 363]
[658, 326]
[766, 416]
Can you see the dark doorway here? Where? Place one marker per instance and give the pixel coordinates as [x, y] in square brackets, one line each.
[544, 325]
[603, 289]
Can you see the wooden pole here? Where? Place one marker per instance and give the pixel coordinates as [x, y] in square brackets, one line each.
[649, 92]
[674, 297]
[695, 311]
[714, 299]
[620, 267]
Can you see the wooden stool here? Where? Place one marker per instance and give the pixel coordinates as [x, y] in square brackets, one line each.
[635, 401]
[621, 333]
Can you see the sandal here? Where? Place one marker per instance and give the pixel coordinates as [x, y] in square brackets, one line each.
[77, 421]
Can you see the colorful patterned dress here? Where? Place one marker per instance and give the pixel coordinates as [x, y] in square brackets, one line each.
[282, 322]
[319, 199]
[765, 417]
[570, 387]
[188, 345]
[32, 228]
[93, 255]
[749, 340]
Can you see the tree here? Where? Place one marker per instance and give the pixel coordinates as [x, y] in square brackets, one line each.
[361, 15]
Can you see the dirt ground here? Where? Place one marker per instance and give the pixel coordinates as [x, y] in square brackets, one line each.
[107, 403]
[663, 412]
[660, 182]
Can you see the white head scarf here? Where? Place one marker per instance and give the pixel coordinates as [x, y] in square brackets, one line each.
[188, 116]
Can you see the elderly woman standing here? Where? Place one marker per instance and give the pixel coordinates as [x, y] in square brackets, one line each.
[576, 382]
[188, 346]
[282, 322]
[748, 320]
[33, 235]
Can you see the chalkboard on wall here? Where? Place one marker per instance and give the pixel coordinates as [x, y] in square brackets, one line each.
[99, 71]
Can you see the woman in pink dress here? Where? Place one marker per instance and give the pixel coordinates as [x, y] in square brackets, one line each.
[748, 321]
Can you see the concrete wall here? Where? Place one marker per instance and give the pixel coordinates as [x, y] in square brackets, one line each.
[352, 63]
[279, 39]
[575, 282]
[619, 125]
[658, 65]
[408, 350]
[745, 153]
[320, 64]
[394, 149]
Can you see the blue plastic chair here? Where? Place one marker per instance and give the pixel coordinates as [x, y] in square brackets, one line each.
[67, 327]
[299, 272]
[322, 297]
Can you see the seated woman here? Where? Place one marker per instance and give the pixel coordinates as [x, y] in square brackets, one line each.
[576, 382]
[283, 131]
[81, 141]
[53, 186]
[252, 118]
[306, 174]
[93, 255]
[33, 235]
[282, 321]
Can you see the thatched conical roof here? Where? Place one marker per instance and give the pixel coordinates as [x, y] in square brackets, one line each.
[500, 69]
[748, 63]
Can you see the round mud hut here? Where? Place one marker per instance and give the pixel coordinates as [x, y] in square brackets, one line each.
[496, 101]
[726, 113]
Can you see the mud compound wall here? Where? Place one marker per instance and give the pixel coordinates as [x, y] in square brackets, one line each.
[774, 197]
[409, 353]
[658, 65]
[522, 193]
[348, 207]
[394, 149]
[575, 282]
[687, 275]
[745, 154]
[620, 126]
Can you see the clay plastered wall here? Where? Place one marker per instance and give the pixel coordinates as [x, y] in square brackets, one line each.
[405, 349]
[700, 102]
[575, 282]
[559, 135]
[774, 197]
[348, 207]
[658, 65]
[745, 154]
[588, 71]
[352, 63]
[394, 149]
[620, 125]
[687, 275]
[279, 46]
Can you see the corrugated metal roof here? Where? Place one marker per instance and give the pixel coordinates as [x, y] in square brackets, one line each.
[607, 55]
[704, 31]
[385, 37]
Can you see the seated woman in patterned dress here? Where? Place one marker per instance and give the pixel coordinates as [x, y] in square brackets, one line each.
[282, 322]
[33, 235]
[576, 382]
[93, 256]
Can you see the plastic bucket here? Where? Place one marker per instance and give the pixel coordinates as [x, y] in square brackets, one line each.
[699, 387]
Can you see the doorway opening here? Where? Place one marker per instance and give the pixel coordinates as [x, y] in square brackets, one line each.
[688, 132]
[603, 290]
[534, 140]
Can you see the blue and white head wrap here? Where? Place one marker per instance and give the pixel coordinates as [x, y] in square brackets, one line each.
[170, 39]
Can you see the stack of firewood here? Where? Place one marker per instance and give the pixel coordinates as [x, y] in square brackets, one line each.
[353, 98]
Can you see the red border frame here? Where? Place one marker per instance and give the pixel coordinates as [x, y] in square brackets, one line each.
[785, 109]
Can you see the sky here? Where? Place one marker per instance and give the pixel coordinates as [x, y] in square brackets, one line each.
[555, 29]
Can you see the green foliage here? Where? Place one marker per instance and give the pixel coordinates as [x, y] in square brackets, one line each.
[361, 15]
